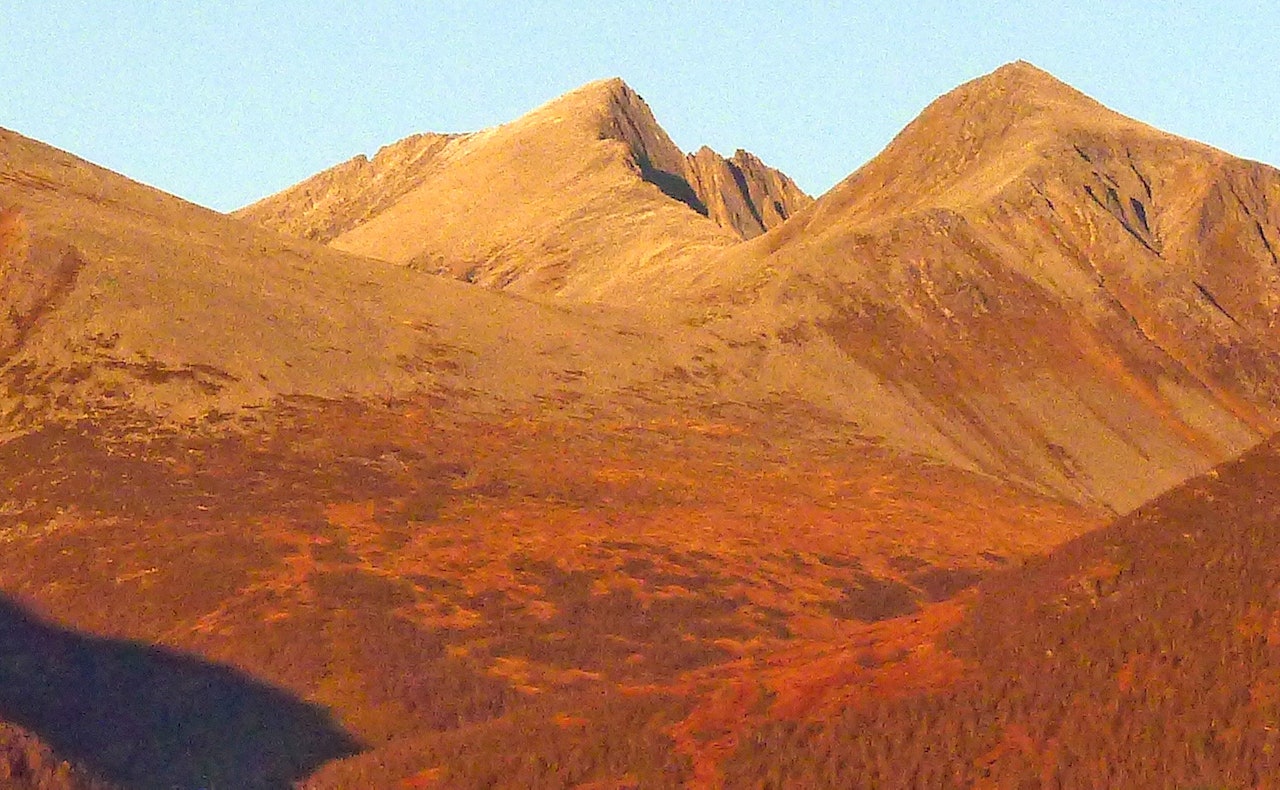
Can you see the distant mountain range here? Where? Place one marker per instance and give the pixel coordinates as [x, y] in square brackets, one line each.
[1023, 282]
[581, 191]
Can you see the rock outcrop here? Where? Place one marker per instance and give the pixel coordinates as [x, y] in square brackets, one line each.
[742, 192]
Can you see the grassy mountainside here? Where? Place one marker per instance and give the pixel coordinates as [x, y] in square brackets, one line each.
[487, 598]
[1139, 655]
[1058, 293]
[710, 512]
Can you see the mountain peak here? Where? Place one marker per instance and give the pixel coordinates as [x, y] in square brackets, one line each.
[981, 134]
[1020, 90]
[593, 97]
[609, 109]
[1024, 71]
[610, 85]
[583, 165]
[597, 93]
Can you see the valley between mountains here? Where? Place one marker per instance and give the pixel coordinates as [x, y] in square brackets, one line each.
[551, 455]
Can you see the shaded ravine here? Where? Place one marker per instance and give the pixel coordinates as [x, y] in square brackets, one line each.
[146, 717]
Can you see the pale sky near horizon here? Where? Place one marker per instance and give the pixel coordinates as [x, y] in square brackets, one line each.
[224, 102]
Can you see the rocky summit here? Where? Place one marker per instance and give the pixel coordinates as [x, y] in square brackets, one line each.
[560, 201]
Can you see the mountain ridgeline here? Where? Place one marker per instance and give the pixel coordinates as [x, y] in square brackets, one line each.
[1023, 283]
[578, 191]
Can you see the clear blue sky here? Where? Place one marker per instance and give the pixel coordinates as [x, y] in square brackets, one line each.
[224, 102]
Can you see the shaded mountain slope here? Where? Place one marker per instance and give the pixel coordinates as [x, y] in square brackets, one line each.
[1140, 655]
[1050, 291]
[577, 194]
[150, 718]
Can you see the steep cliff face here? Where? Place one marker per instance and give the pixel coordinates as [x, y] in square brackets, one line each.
[742, 192]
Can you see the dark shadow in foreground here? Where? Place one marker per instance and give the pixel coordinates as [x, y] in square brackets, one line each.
[146, 717]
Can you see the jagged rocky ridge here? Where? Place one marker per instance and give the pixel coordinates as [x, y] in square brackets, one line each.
[523, 205]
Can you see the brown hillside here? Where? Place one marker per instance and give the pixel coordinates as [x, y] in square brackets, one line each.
[580, 193]
[1141, 655]
[483, 541]
[481, 598]
[1051, 291]
[116, 295]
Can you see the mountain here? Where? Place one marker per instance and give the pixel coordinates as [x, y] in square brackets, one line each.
[470, 536]
[1047, 290]
[1023, 283]
[118, 296]
[581, 191]
[333, 202]
[742, 192]
[1139, 655]
[709, 510]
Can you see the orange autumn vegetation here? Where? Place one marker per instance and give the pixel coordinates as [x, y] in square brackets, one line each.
[473, 601]
[1140, 655]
